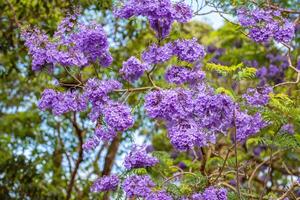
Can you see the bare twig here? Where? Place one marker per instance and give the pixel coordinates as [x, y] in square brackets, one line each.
[223, 166]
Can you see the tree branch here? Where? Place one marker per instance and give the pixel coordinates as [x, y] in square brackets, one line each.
[79, 134]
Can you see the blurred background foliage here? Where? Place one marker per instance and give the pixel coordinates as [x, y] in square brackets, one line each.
[38, 152]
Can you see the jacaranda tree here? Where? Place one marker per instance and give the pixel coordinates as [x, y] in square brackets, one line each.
[218, 112]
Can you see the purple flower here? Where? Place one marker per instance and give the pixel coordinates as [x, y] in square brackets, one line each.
[155, 54]
[288, 128]
[133, 69]
[160, 13]
[118, 116]
[180, 75]
[139, 158]
[215, 112]
[182, 12]
[266, 24]
[105, 183]
[91, 143]
[159, 195]
[258, 97]
[285, 33]
[105, 133]
[72, 45]
[212, 193]
[247, 125]
[138, 186]
[62, 102]
[97, 90]
[188, 50]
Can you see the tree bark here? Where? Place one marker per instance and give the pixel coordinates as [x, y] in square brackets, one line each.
[79, 134]
[110, 158]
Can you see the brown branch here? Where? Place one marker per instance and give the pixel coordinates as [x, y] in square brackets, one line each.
[79, 134]
[223, 166]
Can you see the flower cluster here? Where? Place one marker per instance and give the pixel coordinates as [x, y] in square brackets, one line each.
[180, 75]
[288, 128]
[105, 183]
[274, 72]
[157, 54]
[258, 96]
[71, 45]
[160, 13]
[266, 24]
[188, 50]
[138, 186]
[62, 102]
[138, 158]
[194, 116]
[159, 195]
[247, 125]
[133, 69]
[211, 193]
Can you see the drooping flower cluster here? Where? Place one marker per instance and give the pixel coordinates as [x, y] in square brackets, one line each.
[105, 183]
[266, 24]
[62, 102]
[138, 158]
[211, 193]
[72, 45]
[258, 96]
[160, 13]
[138, 186]
[117, 116]
[133, 69]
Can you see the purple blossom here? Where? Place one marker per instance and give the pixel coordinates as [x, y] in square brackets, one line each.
[91, 143]
[169, 104]
[133, 69]
[159, 195]
[180, 75]
[288, 128]
[139, 158]
[247, 125]
[105, 183]
[285, 33]
[72, 45]
[182, 134]
[266, 24]
[138, 186]
[118, 116]
[182, 12]
[156, 54]
[160, 13]
[215, 112]
[188, 50]
[258, 97]
[105, 133]
[97, 90]
[62, 102]
[212, 193]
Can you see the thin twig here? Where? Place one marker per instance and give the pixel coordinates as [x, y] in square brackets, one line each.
[236, 158]
[223, 166]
